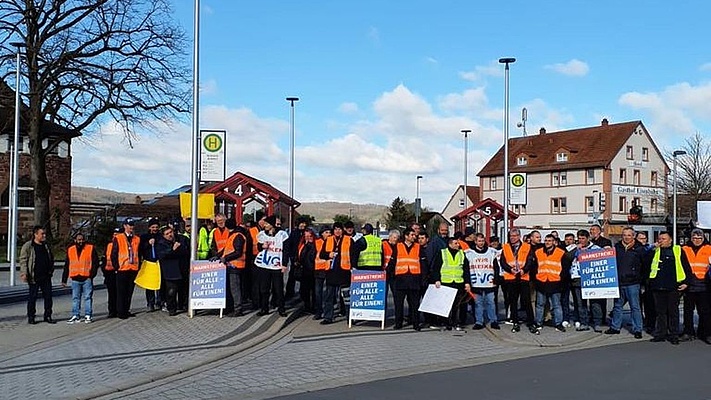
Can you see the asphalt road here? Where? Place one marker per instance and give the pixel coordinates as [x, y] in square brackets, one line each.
[640, 370]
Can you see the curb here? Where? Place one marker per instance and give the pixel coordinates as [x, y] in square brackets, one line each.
[256, 340]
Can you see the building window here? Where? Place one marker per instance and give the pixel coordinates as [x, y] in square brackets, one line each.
[636, 201]
[589, 176]
[559, 178]
[654, 178]
[492, 183]
[623, 204]
[630, 153]
[589, 204]
[653, 205]
[25, 194]
[645, 154]
[623, 175]
[20, 143]
[559, 205]
[522, 160]
[636, 177]
[561, 157]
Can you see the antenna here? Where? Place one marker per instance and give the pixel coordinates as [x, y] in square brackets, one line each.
[524, 117]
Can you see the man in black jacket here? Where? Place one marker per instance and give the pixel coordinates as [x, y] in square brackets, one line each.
[698, 252]
[147, 252]
[669, 276]
[630, 257]
[171, 254]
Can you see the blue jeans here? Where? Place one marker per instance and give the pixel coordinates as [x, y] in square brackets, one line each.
[82, 290]
[484, 304]
[628, 294]
[555, 307]
[320, 284]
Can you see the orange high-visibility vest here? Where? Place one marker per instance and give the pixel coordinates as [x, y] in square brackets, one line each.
[699, 262]
[387, 253]
[344, 252]
[407, 262]
[80, 264]
[128, 252]
[521, 258]
[241, 262]
[254, 231]
[549, 266]
[320, 264]
[109, 264]
[220, 237]
[463, 245]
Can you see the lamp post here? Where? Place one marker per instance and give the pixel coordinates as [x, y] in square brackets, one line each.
[506, 61]
[195, 159]
[675, 154]
[418, 202]
[292, 141]
[466, 150]
[15, 171]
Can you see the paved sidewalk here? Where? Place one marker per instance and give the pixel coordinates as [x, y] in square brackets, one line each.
[85, 360]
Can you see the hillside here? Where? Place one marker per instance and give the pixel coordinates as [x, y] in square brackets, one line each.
[322, 211]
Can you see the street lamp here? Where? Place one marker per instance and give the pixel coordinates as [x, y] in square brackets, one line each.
[195, 159]
[15, 171]
[506, 61]
[292, 141]
[466, 150]
[418, 202]
[675, 154]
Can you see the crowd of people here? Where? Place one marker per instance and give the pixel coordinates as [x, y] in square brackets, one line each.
[538, 276]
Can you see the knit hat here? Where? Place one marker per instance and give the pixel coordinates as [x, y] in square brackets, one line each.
[271, 220]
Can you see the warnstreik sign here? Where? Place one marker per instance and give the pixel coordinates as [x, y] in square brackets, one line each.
[598, 274]
[207, 286]
[367, 296]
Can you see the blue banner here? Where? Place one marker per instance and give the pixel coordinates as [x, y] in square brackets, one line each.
[207, 285]
[367, 295]
[598, 274]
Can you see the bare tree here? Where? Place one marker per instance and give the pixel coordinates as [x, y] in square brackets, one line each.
[694, 167]
[88, 62]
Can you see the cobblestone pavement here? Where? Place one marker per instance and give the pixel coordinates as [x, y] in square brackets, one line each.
[157, 356]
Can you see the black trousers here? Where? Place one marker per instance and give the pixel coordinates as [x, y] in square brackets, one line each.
[172, 288]
[307, 290]
[291, 283]
[110, 282]
[667, 305]
[700, 301]
[413, 303]
[458, 313]
[520, 289]
[271, 280]
[124, 292]
[45, 285]
[649, 312]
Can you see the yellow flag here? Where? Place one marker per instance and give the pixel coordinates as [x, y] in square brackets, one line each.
[206, 205]
[149, 275]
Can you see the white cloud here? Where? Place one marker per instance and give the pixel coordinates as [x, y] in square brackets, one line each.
[348, 108]
[675, 110]
[705, 67]
[432, 60]
[208, 87]
[573, 67]
[482, 71]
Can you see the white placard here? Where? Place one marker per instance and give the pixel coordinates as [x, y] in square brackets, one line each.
[703, 210]
[518, 183]
[212, 155]
[438, 301]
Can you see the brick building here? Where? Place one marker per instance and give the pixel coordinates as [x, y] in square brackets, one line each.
[59, 169]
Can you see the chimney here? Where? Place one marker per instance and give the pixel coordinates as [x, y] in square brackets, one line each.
[542, 131]
[605, 122]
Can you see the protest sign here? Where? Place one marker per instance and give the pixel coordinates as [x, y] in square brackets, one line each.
[438, 301]
[148, 276]
[207, 286]
[598, 274]
[367, 297]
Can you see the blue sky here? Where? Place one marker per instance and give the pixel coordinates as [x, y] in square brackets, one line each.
[387, 86]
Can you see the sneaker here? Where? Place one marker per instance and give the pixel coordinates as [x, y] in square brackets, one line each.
[478, 327]
[577, 325]
[87, 319]
[581, 328]
[435, 326]
[495, 325]
[638, 335]
[686, 338]
[164, 309]
[597, 329]
[566, 324]
[516, 328]
[458, 328]
[534, 329]
[73, 319]
[560, 328]
[612, 331]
